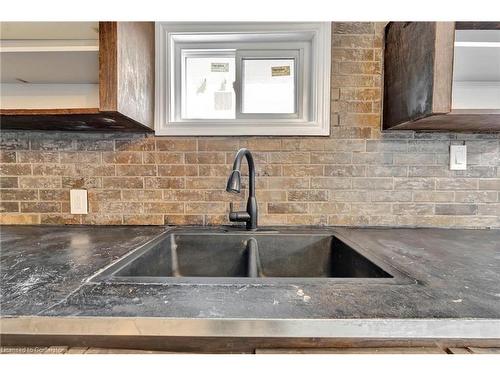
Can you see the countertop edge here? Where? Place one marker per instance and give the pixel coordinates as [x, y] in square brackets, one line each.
[437, 328]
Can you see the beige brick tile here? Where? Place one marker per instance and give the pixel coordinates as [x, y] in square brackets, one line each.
[390, 196]
[320, 220]
[163, 208]
[476, 196]
[177, 170]
[103, 219]
[287, 208]
[331, 183]
[206, 158]
[342, 170]
[54, 195]
[261, 144]
[349, 196]
[331, 157]
[9, 206]
[380, 183]
[302, 170]
[41, 207]
[456, 209]
[60, 219]
[414, 183]
[123, 182]
[183, 219]
[163, 158]
[489, 184]
[216, 220]
[286, 183]
[177, 144]
[13, 218]
[330, 208]
[224, 144]
[215, 170]
[82, 182]
[270, 195]
[122, 157]
[205, 207]
[9, 182]
[40, 182]
[36, 157]
[143, 219]
[353, 28]
[15, 169]
[136, 170]
[308, 195]
[86, 157]
[412, 209]
[141, 144]
[433, 196]
[370, 209]
[290, 157]
[206, 182]
[142, 195]
[457, 183]
[18, 194]
[104, 195]
[184, 195]
[359, 67]
[8, 157]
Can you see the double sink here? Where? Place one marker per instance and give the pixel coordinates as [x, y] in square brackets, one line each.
[216, 256]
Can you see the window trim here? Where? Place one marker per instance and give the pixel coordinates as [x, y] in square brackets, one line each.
[170, 35]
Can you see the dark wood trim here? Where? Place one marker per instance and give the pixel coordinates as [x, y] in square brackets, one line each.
[97, 122]
[477, 25]
[456, 122]
[443, 67]
[108, 66]
[475, 111]
[233, 344]
[418, 62]
[50, 111]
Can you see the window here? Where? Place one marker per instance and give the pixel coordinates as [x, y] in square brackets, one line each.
[242, 78]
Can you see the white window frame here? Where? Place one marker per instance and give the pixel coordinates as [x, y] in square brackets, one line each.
[312, 109]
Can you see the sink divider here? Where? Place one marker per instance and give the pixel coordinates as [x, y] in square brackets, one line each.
[174, 258]
[254, 266]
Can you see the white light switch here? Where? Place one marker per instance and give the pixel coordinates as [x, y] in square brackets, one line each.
[78, 200]
[458, 157]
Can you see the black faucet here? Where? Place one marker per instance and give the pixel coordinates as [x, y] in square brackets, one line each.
[234, 186]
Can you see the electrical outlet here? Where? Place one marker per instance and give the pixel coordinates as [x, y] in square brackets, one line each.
[78, 201]
[458, 157]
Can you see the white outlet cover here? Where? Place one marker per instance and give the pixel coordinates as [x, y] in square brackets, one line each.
[458, 157]
[78, 201]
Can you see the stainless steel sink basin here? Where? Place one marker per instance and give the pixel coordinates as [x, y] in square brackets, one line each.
[205, 256]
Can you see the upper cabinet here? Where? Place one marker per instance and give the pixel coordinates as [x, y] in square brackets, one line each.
[442, 76]
[77, 76]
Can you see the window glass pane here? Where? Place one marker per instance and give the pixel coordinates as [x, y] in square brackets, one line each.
[268, 86]
[207, 88]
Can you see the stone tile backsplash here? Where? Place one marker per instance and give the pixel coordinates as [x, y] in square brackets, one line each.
[357, 176]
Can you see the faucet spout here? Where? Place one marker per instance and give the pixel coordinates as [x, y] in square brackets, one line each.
[234, 186]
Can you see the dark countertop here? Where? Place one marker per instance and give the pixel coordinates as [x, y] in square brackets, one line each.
[44, 272]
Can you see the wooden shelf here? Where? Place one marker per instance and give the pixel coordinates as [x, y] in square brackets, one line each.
[49, 45]
[441, 78]
[49, 111]
[79, 83]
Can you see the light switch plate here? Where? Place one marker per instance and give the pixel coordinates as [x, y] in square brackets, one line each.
[458, 157]
[78, 200]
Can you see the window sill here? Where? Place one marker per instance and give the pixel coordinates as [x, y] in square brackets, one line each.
[216, 129]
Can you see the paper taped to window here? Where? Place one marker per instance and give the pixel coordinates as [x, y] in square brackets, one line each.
[277, 71]
[219, 67]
